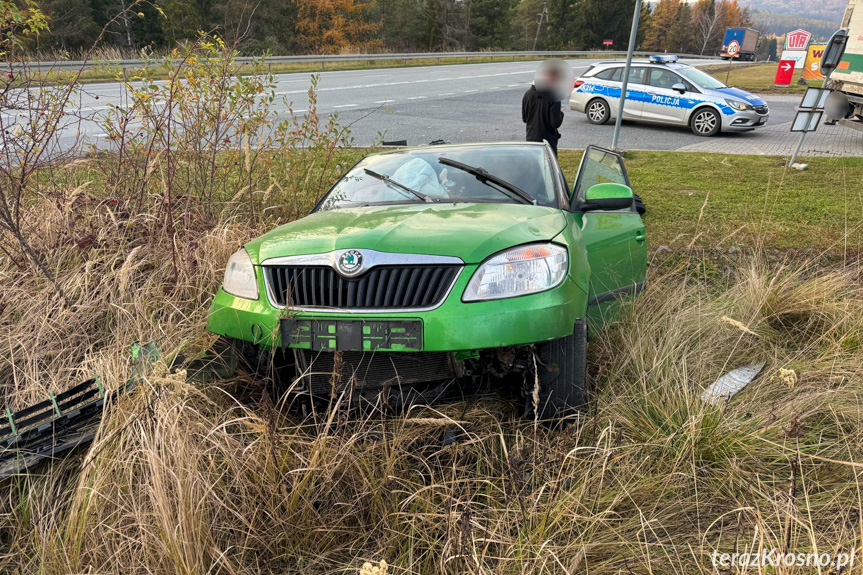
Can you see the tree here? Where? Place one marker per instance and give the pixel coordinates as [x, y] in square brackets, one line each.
[492, 24]
[71, 22]
[527, 16]
[599, 20]
[706, 24]
[331, 26]
[681, 36]
[663, 19]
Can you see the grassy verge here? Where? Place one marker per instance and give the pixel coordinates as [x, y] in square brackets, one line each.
[753, 201]
[105, 72]
[191, 477]
[757, 77]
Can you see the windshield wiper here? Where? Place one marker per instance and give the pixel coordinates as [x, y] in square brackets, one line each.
[388, 180]
[484, 177]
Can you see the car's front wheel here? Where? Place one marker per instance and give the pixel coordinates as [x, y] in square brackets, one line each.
[597, 111]
[705, 122]
[560, 388]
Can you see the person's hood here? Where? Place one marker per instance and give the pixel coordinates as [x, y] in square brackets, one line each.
[470, 231]
[741, 95]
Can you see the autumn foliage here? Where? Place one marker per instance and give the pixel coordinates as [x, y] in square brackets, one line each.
[333, 26]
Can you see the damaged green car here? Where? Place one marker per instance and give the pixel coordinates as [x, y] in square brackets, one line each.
[428, 264]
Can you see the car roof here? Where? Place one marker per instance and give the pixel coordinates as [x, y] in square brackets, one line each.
[614, 63]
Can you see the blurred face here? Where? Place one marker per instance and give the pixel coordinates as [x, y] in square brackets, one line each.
[555, 76]
[836, 106]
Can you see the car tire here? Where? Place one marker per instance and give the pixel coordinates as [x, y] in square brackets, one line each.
[705, 122]
[597, 111]
[561, 376]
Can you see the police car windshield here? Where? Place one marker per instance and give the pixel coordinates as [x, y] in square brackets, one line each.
[701, 79]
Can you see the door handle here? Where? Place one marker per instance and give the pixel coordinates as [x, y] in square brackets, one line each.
[640, 236]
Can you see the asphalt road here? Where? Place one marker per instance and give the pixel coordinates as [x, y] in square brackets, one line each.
[455, 103]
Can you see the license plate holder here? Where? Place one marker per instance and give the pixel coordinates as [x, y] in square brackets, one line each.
[351, 335]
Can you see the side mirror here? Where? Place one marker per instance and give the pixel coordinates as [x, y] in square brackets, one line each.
[679, 87]
[607, 196]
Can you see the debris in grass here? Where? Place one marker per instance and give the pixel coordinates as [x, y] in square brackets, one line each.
[788, 377]
[379, 569]
[728, 385]
[738, 324]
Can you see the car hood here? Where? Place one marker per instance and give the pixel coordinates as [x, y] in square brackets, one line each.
[740, 95]
[468, 231]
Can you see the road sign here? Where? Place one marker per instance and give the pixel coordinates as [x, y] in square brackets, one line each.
[733, 48]
[834, 51]
[814, 98]
[812, 65]
[806, 121]
[784, 72]
[608, 42]
[797, 40]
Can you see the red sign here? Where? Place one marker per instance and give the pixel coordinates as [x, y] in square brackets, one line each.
[607, 42]
[797, 40]
[733, 48]
[784, 73]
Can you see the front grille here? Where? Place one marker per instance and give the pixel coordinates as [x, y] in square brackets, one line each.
[761, 109]
[372, 370]
[383, 287]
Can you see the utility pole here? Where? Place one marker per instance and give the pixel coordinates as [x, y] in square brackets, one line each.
[630, 50]
[543, 14]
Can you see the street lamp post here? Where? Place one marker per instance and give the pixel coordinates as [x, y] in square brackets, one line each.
[629, 51]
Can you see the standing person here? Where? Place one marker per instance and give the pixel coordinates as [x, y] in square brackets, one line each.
[540, 109]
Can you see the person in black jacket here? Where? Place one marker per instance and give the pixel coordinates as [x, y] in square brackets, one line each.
[540, 111]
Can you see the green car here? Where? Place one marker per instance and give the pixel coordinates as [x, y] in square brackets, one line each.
[428, 264]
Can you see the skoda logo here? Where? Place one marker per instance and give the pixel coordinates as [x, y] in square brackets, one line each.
[351, 262]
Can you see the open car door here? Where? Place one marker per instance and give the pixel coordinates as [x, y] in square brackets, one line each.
[614, 239]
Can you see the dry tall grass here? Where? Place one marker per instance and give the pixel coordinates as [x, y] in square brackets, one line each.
[211, 479]
[189, 479]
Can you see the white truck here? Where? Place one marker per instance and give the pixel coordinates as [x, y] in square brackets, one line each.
[848, 75]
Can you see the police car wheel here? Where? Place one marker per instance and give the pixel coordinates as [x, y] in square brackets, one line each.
[597, 111]
[705, 122]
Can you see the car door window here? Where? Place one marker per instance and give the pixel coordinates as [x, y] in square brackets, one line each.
[599, 166]
[664, 79]
[612, 74]
[637, 75]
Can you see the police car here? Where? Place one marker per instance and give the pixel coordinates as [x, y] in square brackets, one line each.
[665, 91]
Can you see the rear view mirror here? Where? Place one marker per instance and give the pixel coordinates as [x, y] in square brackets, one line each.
[679, 87]
[607, 196]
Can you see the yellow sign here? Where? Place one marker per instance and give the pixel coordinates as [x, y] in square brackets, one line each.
[812, 66]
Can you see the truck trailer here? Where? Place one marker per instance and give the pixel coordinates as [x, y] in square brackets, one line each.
[847, 78]
[740, 44]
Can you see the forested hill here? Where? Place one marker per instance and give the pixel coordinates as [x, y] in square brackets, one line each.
[824, 10]
[781, 23]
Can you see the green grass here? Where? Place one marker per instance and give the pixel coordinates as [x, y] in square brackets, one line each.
[105, 72]
[755, 77]
[716, 200]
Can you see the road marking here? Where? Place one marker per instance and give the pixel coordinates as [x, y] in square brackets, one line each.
[345, 106]
[447, 94]
[470, 91]
[416, 98]
[406, 82]
[383, 102]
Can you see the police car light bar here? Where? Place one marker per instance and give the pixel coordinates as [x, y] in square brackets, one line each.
[663, 59]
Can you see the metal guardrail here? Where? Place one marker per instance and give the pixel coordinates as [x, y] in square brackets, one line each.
[324, 59]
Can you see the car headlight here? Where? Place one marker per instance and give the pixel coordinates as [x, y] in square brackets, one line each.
[240, 277]
[518, 271]
[738, 105]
